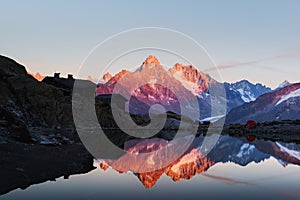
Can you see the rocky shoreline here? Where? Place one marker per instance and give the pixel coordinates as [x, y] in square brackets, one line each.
[284, 131]
[24, 164]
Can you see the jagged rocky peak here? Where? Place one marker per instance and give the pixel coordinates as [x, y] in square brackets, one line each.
[114, 79]
[283, 84]
[187, 69]
[106, 77]
[190, 73]
[151, 60]
[286, 81]
[180, 66]
[121, 74]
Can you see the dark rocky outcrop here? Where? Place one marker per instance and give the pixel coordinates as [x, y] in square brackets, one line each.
[38, 141]
[15, 128]
[39, 107]
[36, 104]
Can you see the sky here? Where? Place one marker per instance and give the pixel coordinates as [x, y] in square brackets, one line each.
[255, 40]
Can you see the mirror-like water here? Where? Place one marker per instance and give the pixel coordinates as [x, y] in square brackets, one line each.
[236, 168]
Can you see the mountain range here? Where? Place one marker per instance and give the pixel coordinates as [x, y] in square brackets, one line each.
[184, 87]
[187, 82]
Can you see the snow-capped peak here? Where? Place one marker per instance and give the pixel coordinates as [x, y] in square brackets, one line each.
[283, 84]
[248, 91]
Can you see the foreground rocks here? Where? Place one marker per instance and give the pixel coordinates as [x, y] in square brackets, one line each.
[25, 100]
[38, 141]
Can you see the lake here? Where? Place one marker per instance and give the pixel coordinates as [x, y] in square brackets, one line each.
[235, 168]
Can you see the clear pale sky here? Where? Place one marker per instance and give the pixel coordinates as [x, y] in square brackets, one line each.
[258, 40]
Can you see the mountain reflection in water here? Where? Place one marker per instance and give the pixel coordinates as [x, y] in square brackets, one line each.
[228, 149]
[234, 169]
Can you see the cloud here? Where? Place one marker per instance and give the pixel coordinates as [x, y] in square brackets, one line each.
[234, 65]
[238, 64]
[226, 180]
[289, 55]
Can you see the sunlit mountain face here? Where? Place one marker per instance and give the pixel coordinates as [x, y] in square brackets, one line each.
[152, 84]
[193, 162]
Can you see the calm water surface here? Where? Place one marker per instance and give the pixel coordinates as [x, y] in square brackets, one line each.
[241, 169]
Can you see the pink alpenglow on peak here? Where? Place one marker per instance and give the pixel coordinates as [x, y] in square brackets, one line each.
[158, 86]
[283, 84]
[37, 76]
[107, 77]
[151, 60]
